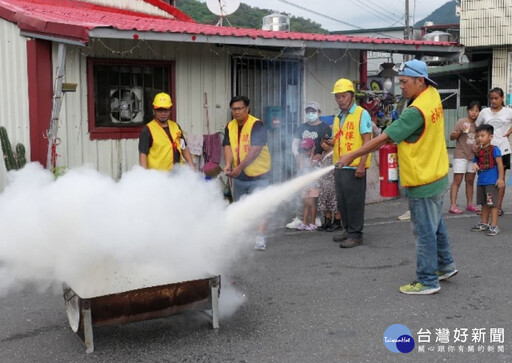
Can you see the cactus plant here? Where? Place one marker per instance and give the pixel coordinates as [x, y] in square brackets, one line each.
[13, 160]
[20, 153]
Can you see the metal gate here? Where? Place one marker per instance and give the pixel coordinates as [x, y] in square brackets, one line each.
[274, 87]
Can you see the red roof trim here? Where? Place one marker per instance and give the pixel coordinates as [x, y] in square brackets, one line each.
[179, 15]
[7, 14]
[92, 7]
[67, 31]
[74, 19]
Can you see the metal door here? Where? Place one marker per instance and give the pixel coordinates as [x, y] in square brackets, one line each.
[274, 87]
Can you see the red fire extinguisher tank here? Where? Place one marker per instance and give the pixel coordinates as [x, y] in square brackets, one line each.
[388, 170]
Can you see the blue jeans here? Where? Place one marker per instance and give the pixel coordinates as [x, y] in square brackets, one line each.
[432, 245]
[242, 187]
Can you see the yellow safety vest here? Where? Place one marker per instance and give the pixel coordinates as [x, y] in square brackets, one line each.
[348, 138]
[161, 152]
[426, 160]
[240, 149]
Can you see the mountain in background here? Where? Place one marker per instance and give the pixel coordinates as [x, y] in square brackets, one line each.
[245, 17]
[249, 17]
[443, 15]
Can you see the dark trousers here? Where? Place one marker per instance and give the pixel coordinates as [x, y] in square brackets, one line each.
[351, 195]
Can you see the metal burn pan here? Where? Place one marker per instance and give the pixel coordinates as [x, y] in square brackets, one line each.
[141, 304]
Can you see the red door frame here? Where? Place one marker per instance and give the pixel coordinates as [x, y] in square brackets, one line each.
[40, 93]
[363, 70]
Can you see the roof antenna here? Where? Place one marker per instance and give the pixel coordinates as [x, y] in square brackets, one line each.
[222, 8]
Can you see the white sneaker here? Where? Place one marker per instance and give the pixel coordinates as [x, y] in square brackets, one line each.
[260, 243]
[294, 223]
[404, 217]
[318, 221]
[311, 227]
[302, 227]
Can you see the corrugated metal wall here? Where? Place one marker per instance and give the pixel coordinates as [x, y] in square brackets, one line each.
[14, 85]
[486, 22]
[322, 70]
[111, 157]
[199, 69]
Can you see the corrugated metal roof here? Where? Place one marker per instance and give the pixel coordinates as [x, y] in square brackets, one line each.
[73, 19]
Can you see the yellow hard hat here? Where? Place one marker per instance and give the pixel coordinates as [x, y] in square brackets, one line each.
[343, 85]
[162, 100]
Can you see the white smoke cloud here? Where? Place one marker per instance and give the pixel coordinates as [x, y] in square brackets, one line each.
[102, 237]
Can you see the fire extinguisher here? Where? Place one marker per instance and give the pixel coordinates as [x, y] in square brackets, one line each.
[388, 170]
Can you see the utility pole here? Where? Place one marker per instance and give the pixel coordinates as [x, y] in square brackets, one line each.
[406, 30]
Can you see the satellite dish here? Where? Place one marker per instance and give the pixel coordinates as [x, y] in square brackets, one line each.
[222, 8]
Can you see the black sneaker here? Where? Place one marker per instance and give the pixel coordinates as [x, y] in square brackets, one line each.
[327, 224]
[333, 227]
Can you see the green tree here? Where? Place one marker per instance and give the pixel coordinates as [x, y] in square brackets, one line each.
[245, 17]
[442, 15]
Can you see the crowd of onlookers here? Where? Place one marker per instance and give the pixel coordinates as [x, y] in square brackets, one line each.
[483, 148]
[479, 149]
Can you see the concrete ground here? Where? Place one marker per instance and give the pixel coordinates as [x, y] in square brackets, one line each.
[307, 301]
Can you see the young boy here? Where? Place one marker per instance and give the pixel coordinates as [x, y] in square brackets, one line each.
[491, 177]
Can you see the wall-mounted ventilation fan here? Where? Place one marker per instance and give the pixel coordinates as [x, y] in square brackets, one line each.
[126, 105]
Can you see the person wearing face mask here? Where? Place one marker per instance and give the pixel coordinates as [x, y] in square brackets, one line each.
[314, 129]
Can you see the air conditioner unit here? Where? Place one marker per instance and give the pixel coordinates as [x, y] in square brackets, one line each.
[126, 105]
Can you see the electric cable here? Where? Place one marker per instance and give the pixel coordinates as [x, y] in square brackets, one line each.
[372, 11]
[328, 17]
[318, 14]
[397, 17]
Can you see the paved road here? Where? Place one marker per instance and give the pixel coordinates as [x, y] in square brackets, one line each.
[307, 301]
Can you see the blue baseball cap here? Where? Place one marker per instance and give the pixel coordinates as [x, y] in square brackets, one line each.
[415, 68]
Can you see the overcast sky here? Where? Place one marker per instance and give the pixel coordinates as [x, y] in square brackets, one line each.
[361, 13]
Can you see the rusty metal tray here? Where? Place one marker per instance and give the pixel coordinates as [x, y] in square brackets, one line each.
[140, 304]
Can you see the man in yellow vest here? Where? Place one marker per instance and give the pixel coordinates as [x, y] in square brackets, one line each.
[161, 141]
[423, 160]
[352, 128]
[246, 155]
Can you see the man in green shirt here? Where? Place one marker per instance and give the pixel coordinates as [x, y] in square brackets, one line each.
[423, 161]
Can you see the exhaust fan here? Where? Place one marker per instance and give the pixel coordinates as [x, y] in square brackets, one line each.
[126, 105]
